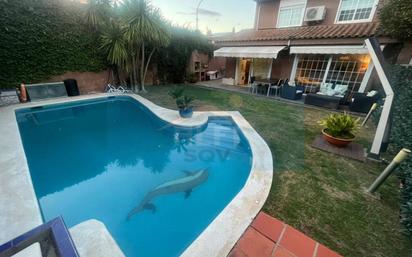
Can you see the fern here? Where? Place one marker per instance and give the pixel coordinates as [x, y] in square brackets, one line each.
[340, 125]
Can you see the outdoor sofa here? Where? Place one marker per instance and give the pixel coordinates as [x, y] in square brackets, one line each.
[330, 95]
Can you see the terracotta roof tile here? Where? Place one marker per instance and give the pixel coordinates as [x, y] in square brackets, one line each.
[354, 30]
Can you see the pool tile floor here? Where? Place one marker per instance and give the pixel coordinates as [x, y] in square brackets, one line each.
[269, 237]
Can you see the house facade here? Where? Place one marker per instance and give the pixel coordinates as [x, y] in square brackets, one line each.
[309, 42]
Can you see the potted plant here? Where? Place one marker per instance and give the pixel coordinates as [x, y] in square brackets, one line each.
[183, 102]
[339, 129]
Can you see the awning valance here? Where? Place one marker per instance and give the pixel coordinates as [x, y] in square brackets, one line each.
[335, 49]
[249, 52]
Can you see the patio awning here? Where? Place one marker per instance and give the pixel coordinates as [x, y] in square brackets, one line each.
[335, 49]
[249, 51]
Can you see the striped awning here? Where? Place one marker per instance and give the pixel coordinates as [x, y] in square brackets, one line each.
[250, 52]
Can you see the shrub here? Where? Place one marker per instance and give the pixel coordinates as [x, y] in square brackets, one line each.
[396, 19]
[43, 38]
[172, 61]
[183, 101]
[401, 137]
[340, 125]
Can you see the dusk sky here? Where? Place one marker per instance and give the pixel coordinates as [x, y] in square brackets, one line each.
[217, 15]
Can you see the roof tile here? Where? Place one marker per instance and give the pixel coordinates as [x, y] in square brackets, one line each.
[354, 30]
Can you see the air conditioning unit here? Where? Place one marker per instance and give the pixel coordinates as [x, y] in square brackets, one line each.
[315, 13]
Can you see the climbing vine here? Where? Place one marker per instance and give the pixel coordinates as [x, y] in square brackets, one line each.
[172, 61]
[42, 38]
[401, 137]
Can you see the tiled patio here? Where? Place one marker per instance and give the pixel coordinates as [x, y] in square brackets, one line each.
[269, 237]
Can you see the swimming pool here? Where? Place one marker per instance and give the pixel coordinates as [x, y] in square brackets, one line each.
[102, 158]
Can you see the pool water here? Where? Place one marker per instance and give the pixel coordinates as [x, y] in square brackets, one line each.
[100, 159]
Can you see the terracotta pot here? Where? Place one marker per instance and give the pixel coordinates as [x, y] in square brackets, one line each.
[339, 142]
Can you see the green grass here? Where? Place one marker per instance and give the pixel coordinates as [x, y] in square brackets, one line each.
[316, 192]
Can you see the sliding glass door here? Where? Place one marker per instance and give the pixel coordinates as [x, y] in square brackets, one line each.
[313, 70]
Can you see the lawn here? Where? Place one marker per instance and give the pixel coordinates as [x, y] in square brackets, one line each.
[318, 193]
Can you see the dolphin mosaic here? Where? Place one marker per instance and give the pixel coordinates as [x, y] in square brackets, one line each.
[185, 185]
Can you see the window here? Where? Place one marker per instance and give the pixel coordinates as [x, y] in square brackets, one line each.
[291, 13]
[356, 10]
[348, 69]
[261, 67]
[313, 70]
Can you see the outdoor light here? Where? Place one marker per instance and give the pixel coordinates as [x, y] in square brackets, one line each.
[399, 158]
[373, 108]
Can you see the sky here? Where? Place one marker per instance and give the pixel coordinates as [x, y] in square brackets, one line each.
[216, 15]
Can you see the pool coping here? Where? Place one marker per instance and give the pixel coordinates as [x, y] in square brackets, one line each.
[21, 212]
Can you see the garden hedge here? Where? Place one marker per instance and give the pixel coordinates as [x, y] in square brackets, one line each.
[401, 137]
[396, 19]
[42, 38]
[172, 61]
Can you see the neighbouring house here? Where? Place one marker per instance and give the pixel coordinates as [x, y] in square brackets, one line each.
[309, 42]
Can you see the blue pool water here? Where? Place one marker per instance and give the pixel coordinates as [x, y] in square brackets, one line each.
[99, 159]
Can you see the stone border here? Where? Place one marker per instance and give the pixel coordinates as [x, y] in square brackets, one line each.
[21, 212]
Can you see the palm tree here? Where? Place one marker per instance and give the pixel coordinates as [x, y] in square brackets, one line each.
[97, 13]
[113, 43]
[146, 31]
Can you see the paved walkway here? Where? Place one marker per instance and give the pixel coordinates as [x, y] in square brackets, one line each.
[269, 237]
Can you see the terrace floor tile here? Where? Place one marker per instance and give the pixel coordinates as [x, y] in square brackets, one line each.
[268, 226]
[269, 237]
[254, 244]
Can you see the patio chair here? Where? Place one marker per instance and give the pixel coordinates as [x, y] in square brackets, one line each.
[252, 87]
[291, 92]
[113, 89]
[276, 87]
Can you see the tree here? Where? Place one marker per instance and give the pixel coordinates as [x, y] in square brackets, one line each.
[97, 13]
[113, 43]
[146, 31]
[396, 19]
[130, 34]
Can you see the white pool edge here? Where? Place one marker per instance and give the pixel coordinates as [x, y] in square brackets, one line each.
[19, 207]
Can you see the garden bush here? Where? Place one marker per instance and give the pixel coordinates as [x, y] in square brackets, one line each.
[396, 19]
[42, 38]
[172, 61]
[401, 137]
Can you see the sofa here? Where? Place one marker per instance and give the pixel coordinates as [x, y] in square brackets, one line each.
[362, 102]
[330, 95]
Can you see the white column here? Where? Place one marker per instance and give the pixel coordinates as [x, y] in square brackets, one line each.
[294, 69]
[327, 69]
[366, 78]
[237, 72]
[384, 119]
[270, 69]
[250, 70]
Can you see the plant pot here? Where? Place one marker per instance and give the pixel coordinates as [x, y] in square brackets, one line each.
[339, 142]
[186, 113]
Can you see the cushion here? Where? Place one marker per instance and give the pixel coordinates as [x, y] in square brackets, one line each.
[340, 89]
[372, 93]
[325, 88]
